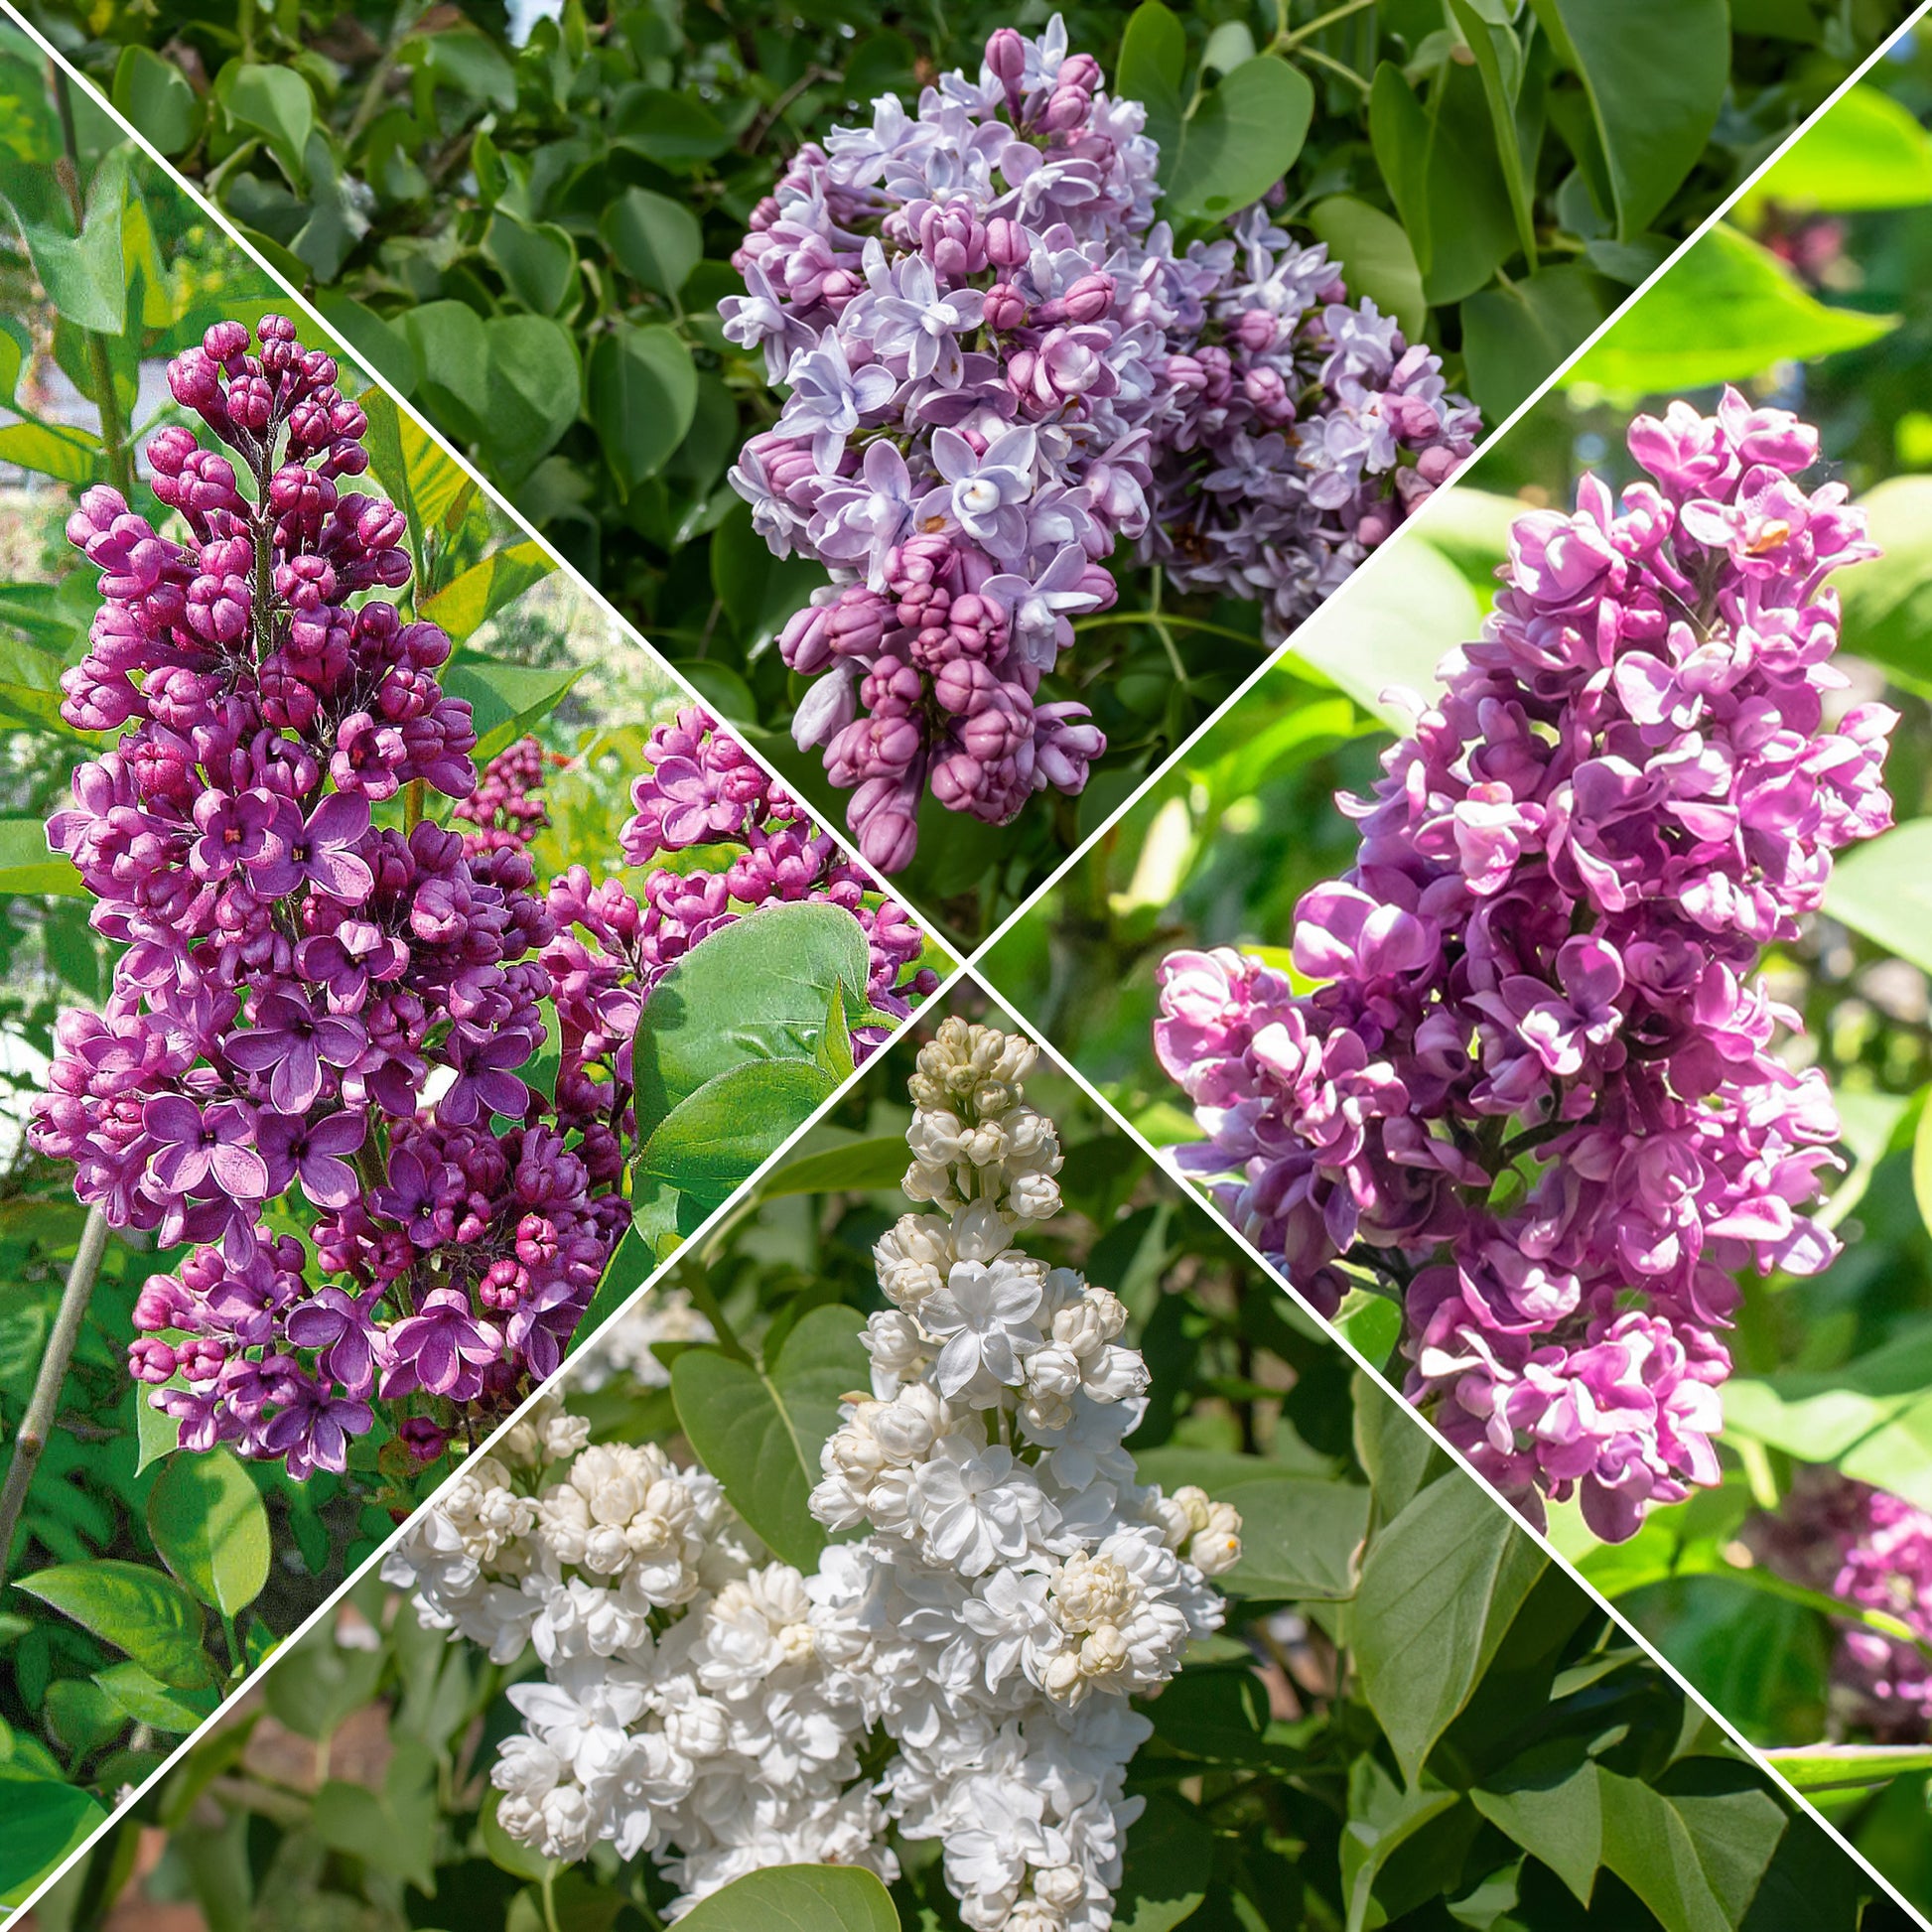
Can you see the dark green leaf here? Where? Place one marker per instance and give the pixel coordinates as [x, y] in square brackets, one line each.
[1153, 64]
[1558, 1818]
[535, 392]
[453, 354]
[536, 259]
[758, 590]
[156, 98]
[45, 1820]
[1514, 337]
[150, 1701]
[1655, 74]
[1241, 138]
[667, 126]
[274, 103]
[643, 389]
[1170, 1860]
[658, 241]
[797, 1898]
[1696, 1850]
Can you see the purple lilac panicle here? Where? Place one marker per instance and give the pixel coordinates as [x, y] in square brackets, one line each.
[701, 790]
[998, 368]
[1538, 1093]
[306, 998]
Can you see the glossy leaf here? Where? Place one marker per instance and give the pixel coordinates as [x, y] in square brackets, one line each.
[1869, 152]
[57, 450]
[505, 700]
[136, 1609]
[1153, 61]
[1170, 1862]
[211, 1529]
[465, 604]
[759, 1430]
[47, 1819]
[756, 990]
[159, 1706]
[714, 1140]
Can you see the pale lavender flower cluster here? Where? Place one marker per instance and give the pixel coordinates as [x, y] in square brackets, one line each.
[320, 988]
[997, 367]
[1536, 1096]
[702, 792]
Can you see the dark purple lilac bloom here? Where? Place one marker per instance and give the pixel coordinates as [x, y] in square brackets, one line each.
[1539, 1093]
[199, 1147]
[312, 1151]
[442, 1349]
[292, 1044]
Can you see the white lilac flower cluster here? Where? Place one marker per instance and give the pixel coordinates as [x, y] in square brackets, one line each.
[1012, 1587]
[999, 365]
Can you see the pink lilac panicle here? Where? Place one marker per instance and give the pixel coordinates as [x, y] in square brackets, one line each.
[306, 998]
[701, 791]
[1537, 1095]
[997, 367]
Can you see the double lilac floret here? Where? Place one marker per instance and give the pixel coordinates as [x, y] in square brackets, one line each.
[318, 990]
[1537, 1097]
[998, 368]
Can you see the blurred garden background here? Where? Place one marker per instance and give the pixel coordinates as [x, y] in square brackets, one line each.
[524, 222]
[1813, 299]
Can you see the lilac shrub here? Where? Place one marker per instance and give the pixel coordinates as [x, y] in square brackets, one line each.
[999, 367]
[1536, 1096]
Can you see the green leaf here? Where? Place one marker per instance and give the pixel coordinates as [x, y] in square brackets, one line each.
[378, 344]
[713, 1141]
[47, 1819]
[537, 391]
[1868, 152]
[467, 602]
[509, 1853]
[391, 1830]
[1883, 888]
[1153, 61]
[1888, 600]
[210, 1526]
[1655, 74]
[797, 1898]
[1394, 629]
[1849, 1767]
[867, 1164]
[505, 700]
[1375, 257]
[1439, 166]
[754, 990]
[1384, 1823]
[317, 1684]
[1217, 1713]
[140, 1611]
[1240, 139]
[57, 450]
[1726, 312]
[453, 354]
[1439, 1588]
[1558, 1818]
[150, 1701]
[1299, 1538]
[274, 103]
[643, 390]
[1696, 1847]
[1499, 61]
[1514, 337]
[83, 277]
[667, 126]
[759, 591]
[536, 259]
[157, 97]
[1922, 1164]
[156, 1434]
[1170, 1862]
[656, 240]
[759, 1430]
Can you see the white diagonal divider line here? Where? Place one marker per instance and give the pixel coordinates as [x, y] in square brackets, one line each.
[556, 1383]
[1750, 1752]
[1377, 559]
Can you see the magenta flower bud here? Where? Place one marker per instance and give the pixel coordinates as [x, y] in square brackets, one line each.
[1008, 244]
[1080, 71]
[1091, 298]
[1006, 307]
[1005, 56]
[1066, 108]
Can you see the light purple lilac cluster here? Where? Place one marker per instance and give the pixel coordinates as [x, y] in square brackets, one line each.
[321, 987]
[1536, 1096]
[997, 367]
[702, 793]
[1873, 1549]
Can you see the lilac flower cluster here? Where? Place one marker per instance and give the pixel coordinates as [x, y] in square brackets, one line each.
[1537, 1095]
[320, 988]
[999, 367]
[702, 793]
[506, 809]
